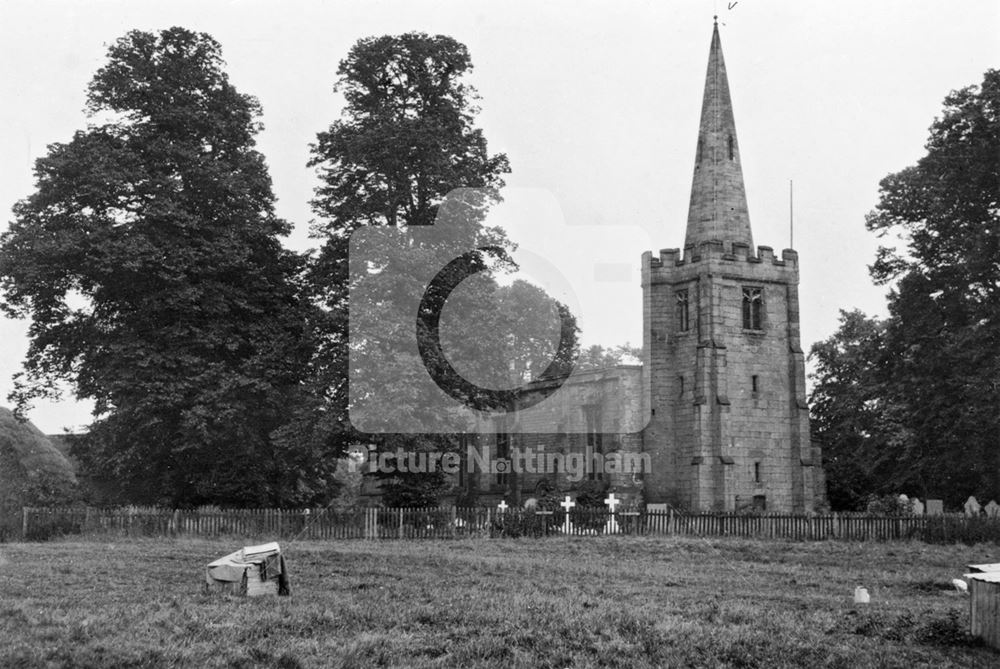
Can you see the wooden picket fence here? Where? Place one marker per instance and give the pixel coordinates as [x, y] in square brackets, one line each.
[455, 522]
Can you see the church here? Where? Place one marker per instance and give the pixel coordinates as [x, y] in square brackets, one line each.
[717, 409]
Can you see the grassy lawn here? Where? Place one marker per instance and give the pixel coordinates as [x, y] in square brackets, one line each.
[584, 602]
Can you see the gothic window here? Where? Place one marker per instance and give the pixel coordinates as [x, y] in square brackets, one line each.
[755, 383]
[592, 414]
[756, 472]
[753, 300]
[732, 153]
[701, 143]
[683, 314]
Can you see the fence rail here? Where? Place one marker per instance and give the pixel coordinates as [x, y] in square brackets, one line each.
[455, 522]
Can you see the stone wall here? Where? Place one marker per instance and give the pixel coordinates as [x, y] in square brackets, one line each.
[613, 396]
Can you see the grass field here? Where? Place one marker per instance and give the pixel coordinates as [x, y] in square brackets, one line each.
[584, 602]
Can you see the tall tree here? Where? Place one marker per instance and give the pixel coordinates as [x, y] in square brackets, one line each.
[148, 259]
[853, 416]
[406, 138]
[933, 366]
[944, 329]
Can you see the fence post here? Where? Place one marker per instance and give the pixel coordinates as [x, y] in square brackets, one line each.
[400, 522]
[24, 523]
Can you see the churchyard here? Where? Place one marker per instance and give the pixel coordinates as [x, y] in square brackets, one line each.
[616, 601]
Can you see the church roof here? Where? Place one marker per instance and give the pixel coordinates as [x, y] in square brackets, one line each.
[718, 209]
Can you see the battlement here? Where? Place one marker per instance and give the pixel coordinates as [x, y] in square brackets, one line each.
[721, 251]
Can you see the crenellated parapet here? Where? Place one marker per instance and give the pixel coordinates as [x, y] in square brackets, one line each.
[716, 257]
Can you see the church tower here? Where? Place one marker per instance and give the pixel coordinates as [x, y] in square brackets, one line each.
[724, 373]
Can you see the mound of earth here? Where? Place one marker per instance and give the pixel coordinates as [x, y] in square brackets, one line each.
[32, 470]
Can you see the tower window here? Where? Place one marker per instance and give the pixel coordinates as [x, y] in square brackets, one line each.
[754, 383]
[732, 152]
[753, 299]
[756, 472]
[701, 146]
[680, 383]
[683, 314]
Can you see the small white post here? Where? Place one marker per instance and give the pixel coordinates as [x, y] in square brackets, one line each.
[567, 504]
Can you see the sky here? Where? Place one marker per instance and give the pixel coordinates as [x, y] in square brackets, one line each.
[595, 103]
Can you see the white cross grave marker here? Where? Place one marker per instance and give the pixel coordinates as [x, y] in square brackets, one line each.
[502, 505]
[612, 502]
[567, 504]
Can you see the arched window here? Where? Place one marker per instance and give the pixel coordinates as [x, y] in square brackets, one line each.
[683, 319]
[752, 301]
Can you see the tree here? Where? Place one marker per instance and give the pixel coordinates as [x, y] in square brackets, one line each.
[149, 261]
[929, 371]
[598, 357]
[509, 333]
[852, 415]
[944, 327]
[406, 138]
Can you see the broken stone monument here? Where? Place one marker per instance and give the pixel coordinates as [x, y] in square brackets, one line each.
[251, 571]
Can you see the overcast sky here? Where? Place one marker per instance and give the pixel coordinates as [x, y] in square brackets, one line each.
[595, 103]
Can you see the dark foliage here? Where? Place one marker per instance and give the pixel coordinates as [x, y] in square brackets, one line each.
[148, 259]
[909, 404]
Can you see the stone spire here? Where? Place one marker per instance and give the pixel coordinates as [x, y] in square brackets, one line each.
[718, 209]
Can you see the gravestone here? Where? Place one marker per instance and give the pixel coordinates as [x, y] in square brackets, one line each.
[657, 507]
[972, 507]
[935, 507]
[918, 507]
[992, 509]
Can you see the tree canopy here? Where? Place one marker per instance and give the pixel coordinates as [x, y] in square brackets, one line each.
[931, 368]
[405, 139]
[149, 262]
